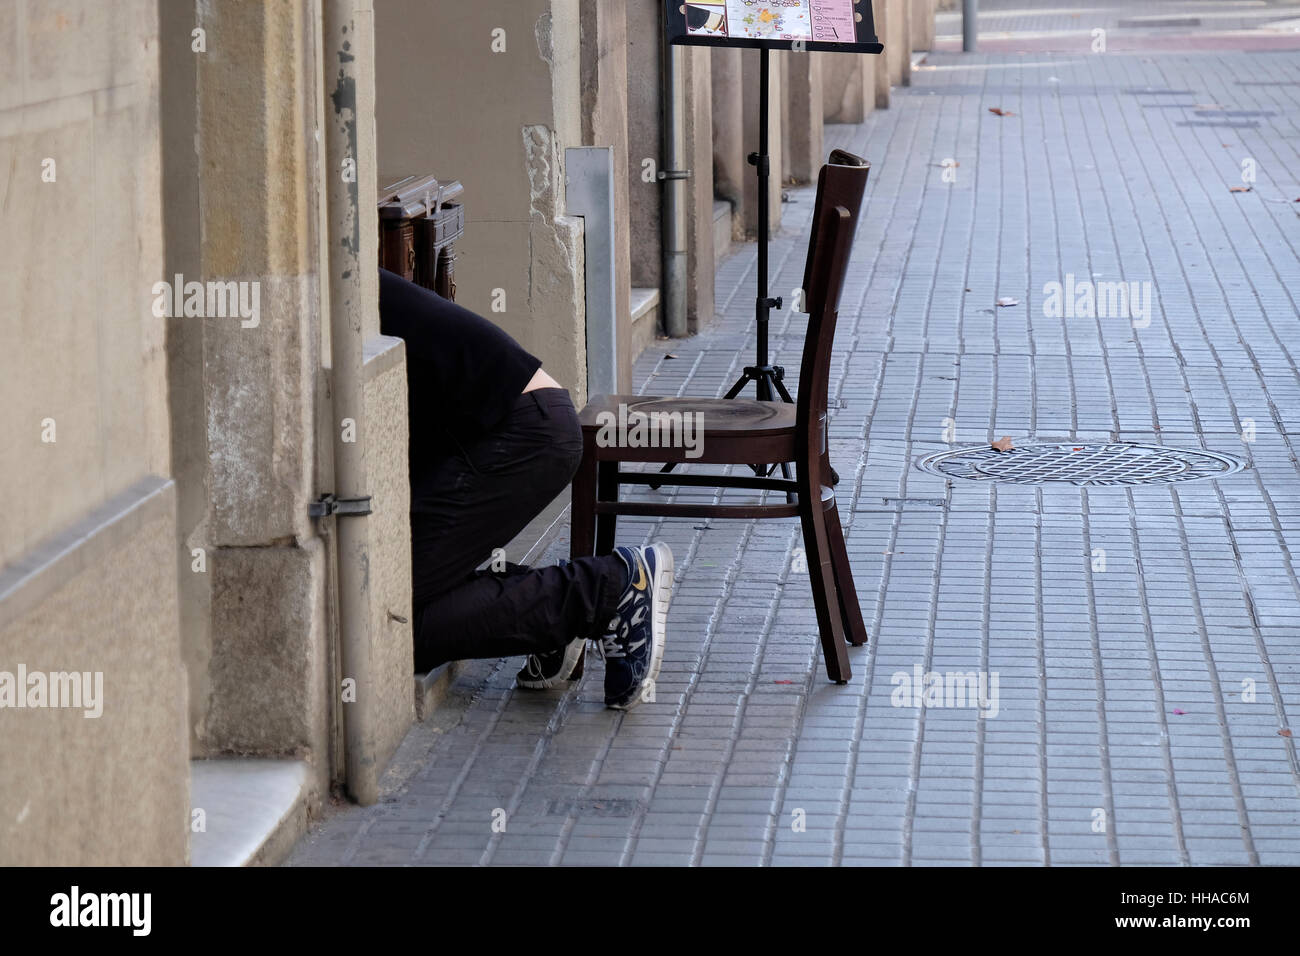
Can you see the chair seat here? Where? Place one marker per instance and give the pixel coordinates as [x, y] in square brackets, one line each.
[708, 430]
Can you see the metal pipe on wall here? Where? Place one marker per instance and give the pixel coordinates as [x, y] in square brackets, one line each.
[673, 176]
[346, 308]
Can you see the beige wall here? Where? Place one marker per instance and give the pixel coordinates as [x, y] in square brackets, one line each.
[697, 77]
[87, 560]
[113, 789]
[923, 24]
[645, 139]
[897, 37]
[267, 662]
[256, 642]
[803, 115]
[498, 122]
[79, 87]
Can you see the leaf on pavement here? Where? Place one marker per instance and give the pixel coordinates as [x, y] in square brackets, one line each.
[1284, 732]
[1003, 443]
[1238, 189]
[999, 111]
[1007, 300]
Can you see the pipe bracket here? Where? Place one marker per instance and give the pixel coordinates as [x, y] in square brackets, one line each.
[343, 507]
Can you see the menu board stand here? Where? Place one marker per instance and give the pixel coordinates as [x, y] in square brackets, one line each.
[741, 23]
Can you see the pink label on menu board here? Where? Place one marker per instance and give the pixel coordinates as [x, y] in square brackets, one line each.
[832, 21]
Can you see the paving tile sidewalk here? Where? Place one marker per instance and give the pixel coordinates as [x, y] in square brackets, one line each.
[1146, 639]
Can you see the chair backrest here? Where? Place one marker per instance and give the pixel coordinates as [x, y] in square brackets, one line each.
[840, 187]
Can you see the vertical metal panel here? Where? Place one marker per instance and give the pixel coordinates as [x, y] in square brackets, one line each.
[590, 194]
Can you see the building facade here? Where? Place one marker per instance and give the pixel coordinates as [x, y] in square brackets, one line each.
[193, 654]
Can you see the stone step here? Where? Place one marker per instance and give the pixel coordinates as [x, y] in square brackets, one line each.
[254, 810]
[722, 214]
[645, 319]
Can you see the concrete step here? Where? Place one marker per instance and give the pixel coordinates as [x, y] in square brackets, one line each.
[254, 810]
[645, 319]
[722, 214]
[431, 687]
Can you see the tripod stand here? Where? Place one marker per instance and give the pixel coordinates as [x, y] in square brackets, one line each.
[768, 379]
[765, 376]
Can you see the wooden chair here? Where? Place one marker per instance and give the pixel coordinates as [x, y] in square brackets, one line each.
[750, 432]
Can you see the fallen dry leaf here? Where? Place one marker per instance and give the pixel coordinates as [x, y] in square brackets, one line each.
[999, 111]
[1003, 443]
[1006, 300]
[1178, 711]
[1238, 189]
[1284, 732]
[670, 355]
[782, 682]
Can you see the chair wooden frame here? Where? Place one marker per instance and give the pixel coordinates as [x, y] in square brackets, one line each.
[752, 432]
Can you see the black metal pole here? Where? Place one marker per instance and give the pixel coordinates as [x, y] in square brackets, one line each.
[767, 378]
[762, 308]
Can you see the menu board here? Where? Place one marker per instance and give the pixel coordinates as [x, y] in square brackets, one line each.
[810, 24]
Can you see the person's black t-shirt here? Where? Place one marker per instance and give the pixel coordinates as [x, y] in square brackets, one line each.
[463, 373]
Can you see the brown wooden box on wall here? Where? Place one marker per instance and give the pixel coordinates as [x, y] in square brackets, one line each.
[419, 224]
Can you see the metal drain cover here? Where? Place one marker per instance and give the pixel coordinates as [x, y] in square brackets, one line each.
[1108, 463]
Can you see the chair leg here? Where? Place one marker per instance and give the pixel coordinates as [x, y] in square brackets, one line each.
[582, 522]
[606, 490]
[850, 612]
[821, 575]
[582, 513]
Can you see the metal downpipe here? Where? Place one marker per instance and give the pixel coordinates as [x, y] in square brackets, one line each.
[346, 308]
[673, 176]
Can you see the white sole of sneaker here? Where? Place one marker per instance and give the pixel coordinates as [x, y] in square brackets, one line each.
[573, 652]
[659, 603]
[662, 598]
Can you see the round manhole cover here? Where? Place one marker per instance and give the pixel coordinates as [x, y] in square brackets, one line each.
[1108, 463]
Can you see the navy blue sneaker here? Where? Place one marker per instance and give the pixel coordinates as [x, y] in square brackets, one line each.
[633, 648]
[544, 671]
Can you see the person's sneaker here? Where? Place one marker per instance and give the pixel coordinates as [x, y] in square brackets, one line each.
[634, 646]
[544, 671]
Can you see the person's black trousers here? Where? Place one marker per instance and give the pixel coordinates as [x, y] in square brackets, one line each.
[480, 497]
